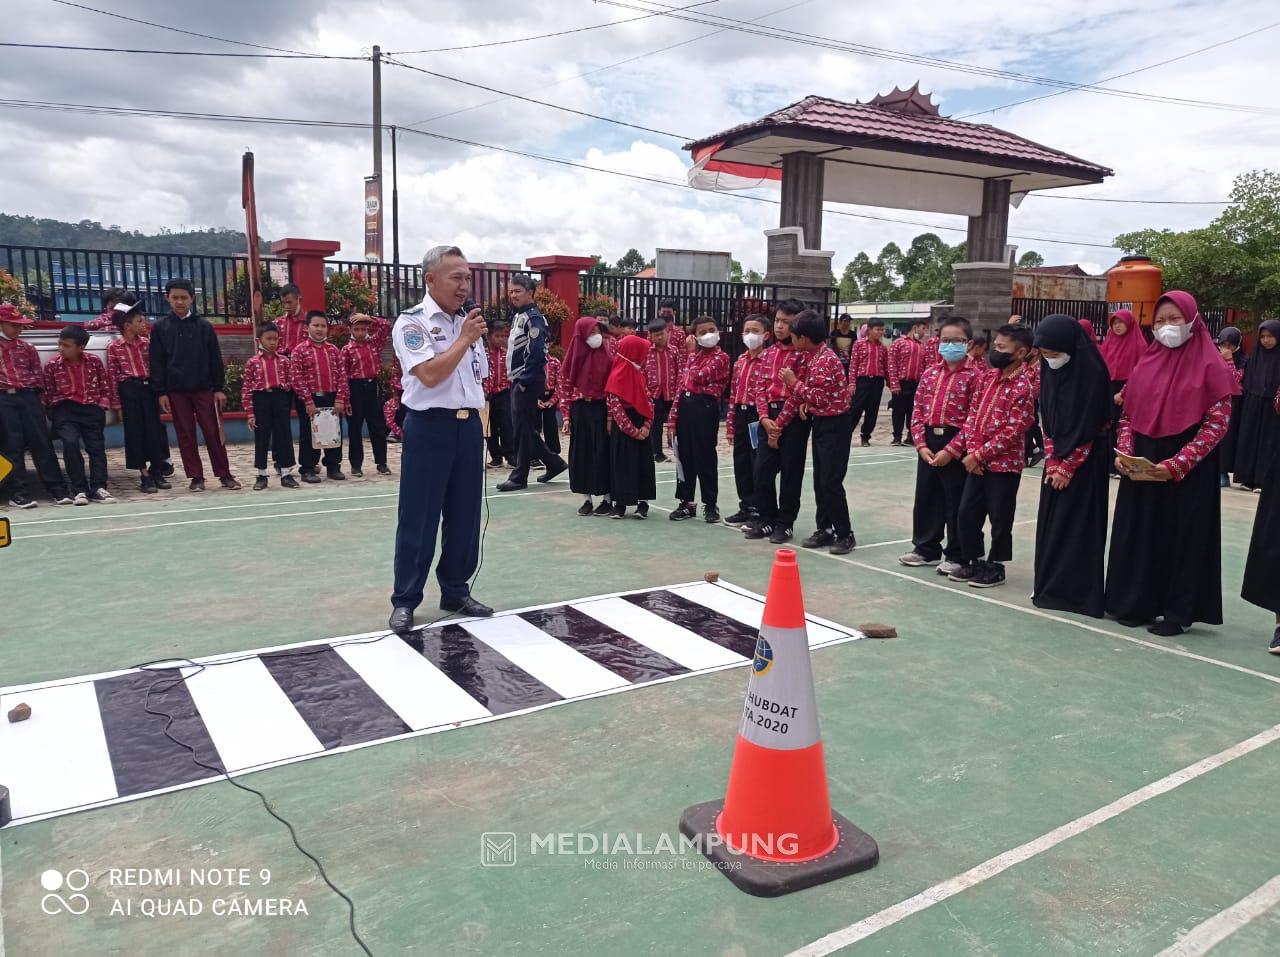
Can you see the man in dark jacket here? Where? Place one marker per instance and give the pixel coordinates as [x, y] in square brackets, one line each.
[187, 372]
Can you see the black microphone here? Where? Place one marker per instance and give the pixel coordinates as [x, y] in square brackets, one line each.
[468, 305]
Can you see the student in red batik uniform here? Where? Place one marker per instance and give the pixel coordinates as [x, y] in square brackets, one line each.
[631, 473]
[497, 389]
[105, 318]
[583, 375]
[293, 332]
[931, 346]
[362, 357]
[662, 378]
[319, 376]
[906, 363]
[778, 501]
[1166, 535]
[822, 397]
[393, 412]
[991, 448]
[745, 388]
[77, 393]
[146, 444]
[868, 367]
[22, 419]
[942, 405]
[266, 395]
[695, 421]
[547, 403]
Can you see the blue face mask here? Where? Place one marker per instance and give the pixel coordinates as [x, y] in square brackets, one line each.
[952, 351]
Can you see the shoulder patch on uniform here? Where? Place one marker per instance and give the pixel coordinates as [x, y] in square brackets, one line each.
[535, 332]
[414, 339]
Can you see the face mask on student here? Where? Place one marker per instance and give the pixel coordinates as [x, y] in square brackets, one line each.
[1000, 360]
[1057, 362]
[595, 340]
[953, 351]
[1173, 336]
[752, 340]
[709, 339]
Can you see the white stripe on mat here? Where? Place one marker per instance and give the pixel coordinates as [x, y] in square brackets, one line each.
[749, 611]
[551, 661]
[655, 632]
[415, 689]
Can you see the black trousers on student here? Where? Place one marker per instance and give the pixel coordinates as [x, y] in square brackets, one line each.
[831, 434]
[994, 496]
[501, 441]
[549, 422]
[530, 445]
[744, 456]
[900, 407]
[697, 424]
[80, 426]
[778, 502]
[271, 428]
[867, 394]
[366, 411]
[661, 412]
[309, 457]
[937, 505]
[146, 444]
[22, 427]
[1034, 442]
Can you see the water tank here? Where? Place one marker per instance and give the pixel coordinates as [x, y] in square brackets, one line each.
[1135, 283]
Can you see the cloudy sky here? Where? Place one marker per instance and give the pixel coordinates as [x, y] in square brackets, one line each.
[690, 79]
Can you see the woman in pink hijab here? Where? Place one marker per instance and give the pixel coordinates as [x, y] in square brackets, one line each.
[1165, 566]
[1121, 349]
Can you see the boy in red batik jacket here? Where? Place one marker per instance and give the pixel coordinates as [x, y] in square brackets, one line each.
[906, 363]
[362, 356]
[942, 404]
[991, 449]
[318, 377]
[662, 377]
[146, 444]
[497, 389]
[746, 387]
[784, 452]
[393, 412]
[695, 421]
[22, 421]
[822, 396]
[268, 399]
[868, 368]
[547, 404]
[78, 396]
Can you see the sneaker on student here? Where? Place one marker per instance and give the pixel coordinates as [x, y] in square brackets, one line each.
[197, 485]
[261, 482]
[604, 508]
[289, 481]
[819, 539]
[843, 546]
[229, 483]
[311, 477]
[781, 535]
[642, 510]
[63, 499]
[916, 560]
[948, 567]
[738, 518]
[102, 496]
[711, 514]
[1274, 647]
[384, 469]
[586, 508]
[989, 575]
[80, 499]
[161, 482]
[19, 500]
[355, 473]
[683, 512]
[757, 530]
[148, 485]
[965, 572]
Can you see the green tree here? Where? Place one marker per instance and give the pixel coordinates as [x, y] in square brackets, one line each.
[850, 291]
[630, 263]
[1030, 258]
[601, 268]
[926, 270]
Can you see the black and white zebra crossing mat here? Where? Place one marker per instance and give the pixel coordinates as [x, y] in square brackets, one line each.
[91, 741]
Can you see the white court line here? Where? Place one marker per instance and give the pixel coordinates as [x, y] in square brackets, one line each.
[997, 865]
[1204, 937]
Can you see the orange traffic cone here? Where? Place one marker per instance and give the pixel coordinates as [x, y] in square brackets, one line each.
[775, 832]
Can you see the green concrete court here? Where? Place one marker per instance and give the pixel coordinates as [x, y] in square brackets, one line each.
[986, 725]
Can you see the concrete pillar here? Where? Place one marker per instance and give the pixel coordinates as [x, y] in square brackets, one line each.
[306, 262]
[989, 232]
[802, 185]
[560, 275]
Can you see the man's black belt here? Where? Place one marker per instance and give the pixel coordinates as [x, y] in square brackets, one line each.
[24, 390]
[446, 413]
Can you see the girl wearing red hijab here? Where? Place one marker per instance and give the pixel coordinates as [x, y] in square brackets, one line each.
[632, 480]
[582, 380]
[1123, 346]
[1165, 560]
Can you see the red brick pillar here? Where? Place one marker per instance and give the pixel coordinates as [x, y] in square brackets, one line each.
[306, 259]
[560, 275]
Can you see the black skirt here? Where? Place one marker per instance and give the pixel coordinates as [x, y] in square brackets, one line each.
[1262, 569]
[1227, 447]
[1071, 538]
[1166, 541]
[1255, 440]
[632, 477]
[588, 448]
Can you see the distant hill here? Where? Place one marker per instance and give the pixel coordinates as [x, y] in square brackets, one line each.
[86, 234]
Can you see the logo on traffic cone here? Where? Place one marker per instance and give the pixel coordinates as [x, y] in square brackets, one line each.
[775, 832]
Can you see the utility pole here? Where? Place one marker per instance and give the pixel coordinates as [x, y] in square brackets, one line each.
[377, 111]
[395, 203]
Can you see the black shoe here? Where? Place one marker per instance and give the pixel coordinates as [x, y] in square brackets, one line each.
[537, 466]
[990, 575]
[683, 512]
[229, 483]
[311, 478]
[661, 458]
[467, 606]
[355, 473]
[495, 463]
[510, 486]
[780, 536]
[259, 483]
[166, 470]
[21, 500]
[866, 443]
[197, 485]
[738, 518]
[401, 621]
[148, 485]
[586, 508]
[288, 481]
[555, 468]
[756, 531]
[819, 539]
[1130, 622]
[965, 573]
[604, 508]
[619, 511]
[336, 475]
[711, 514]
[161, 482]
[1274, 647]
[384, 469]
[896, 440]
[642, 510]
[1035, 458]
[843, 546]
[1166, 628]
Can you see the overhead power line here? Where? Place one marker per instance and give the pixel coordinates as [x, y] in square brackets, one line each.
[212, 53]
[162, 26]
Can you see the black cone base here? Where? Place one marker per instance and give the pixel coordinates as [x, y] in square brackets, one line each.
[856, 851]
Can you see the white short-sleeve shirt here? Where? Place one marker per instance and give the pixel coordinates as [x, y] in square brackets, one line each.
[422, 333]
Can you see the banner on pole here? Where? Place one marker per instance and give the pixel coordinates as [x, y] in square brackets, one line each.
[373, 218]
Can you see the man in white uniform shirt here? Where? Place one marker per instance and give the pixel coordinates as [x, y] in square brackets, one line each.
[442, 464]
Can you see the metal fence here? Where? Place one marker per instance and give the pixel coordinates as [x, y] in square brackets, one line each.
[400, 287]
[70, 284]
[727, 302]
[1096, 311]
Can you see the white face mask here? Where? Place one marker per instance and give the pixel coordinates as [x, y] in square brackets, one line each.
[595, 340]
[1173, 336]
[709, 339]
[752, 340]
[1057, 362]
